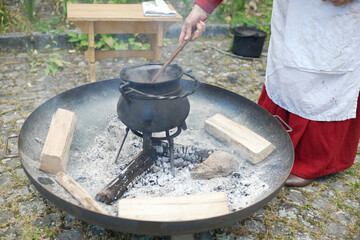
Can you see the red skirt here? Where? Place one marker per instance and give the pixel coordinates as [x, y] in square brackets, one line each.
[321, 148]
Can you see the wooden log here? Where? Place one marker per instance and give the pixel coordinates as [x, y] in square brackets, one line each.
[118, 186]
[179, 208]
[78, 192]
[247, 143]
[55, 153]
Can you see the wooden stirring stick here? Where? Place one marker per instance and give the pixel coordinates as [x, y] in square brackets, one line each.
[175, 53]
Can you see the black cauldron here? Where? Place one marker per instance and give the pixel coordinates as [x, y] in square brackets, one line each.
[157, 106]
[248, 42]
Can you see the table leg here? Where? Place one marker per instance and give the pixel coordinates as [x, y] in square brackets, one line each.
[91, 50]
[156, 42]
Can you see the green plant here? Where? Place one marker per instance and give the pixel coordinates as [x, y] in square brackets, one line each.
[265, 7]
[39, 233]
[34, 66]
[135, 45]
[255, 13]
[28, 7]
[107, 42]
[54, 63]
[4, 13]
[61, 8]
[242, 19]
[227, 9]
[188, 4]
[80, 40]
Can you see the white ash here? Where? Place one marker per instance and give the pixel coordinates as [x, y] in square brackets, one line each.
[159, 182]
[96, 167]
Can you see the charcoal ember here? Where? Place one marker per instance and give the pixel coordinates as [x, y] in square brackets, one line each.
[236, 175]
[81, 179]
[191, 167]
[38, 140]
[180, 163]
[158, 163]
[152, 180]
[156, 169]
[163, 179]
[144, 182]
[137, 184]
[188, 153]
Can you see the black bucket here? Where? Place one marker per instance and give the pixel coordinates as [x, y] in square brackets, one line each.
[248, 42]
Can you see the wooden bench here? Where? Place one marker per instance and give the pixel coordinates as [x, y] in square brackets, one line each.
[119, 18]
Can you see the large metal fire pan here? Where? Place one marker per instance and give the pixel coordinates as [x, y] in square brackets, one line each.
[93, 102]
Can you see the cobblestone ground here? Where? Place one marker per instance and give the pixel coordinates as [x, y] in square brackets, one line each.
[327, 209]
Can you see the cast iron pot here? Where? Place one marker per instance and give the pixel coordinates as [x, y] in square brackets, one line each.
[248, 42]
[153, 106]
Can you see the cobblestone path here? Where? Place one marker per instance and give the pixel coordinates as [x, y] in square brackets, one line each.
[327, 209]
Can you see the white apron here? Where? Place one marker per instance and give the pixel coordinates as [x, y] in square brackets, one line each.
[313, 65]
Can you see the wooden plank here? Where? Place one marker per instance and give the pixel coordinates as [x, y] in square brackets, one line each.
[91, 43]
[103, 54]
[160, 34]
[55, 153]
[156, 43]
[125, 27]
[78, 192]
[113, 12]
[92, 73]
[91, 50]
[247, 143]
[179, 208]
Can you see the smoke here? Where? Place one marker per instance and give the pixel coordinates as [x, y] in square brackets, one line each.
[144, 73]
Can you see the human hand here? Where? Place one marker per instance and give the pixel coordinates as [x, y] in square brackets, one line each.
[339, 2]
[195, 18]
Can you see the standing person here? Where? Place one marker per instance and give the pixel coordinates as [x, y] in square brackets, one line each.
[312, 79]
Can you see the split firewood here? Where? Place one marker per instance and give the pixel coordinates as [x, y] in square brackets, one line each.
[55, 154]
[247, 143]
[78, 192]
[178, 208]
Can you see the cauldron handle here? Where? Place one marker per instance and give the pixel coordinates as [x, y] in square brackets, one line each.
[123, 92]
[125, 89]
[197, 83]
[5, 155]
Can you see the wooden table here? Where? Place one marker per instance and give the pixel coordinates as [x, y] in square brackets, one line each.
[119, 18]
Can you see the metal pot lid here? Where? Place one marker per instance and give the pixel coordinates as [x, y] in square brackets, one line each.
[244, 31]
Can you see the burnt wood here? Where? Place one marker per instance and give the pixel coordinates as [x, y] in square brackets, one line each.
[118, 186]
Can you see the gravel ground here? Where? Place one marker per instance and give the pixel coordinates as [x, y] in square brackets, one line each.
[327, 209]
